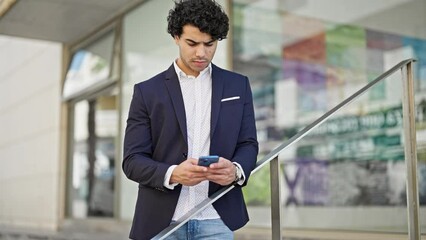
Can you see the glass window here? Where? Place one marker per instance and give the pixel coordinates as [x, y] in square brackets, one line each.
[90, 67]
[93, 157]
[305, 57]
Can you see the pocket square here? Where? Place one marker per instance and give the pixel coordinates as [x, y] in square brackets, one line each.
[230, 99]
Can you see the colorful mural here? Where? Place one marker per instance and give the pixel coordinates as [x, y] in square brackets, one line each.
[355, 158]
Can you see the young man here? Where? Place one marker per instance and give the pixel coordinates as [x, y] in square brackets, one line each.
[192, 109]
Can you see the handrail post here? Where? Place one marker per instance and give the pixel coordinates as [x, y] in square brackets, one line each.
[275, 177]
[409, 115]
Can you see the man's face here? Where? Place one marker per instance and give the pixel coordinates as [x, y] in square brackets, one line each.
[196, 50]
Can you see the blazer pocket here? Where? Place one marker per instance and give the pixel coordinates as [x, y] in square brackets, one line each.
[228, 99]
[231, 102]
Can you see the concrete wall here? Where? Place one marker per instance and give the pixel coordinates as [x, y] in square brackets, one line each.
[30, 90]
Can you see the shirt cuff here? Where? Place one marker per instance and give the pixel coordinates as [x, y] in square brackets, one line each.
[167, 177]
[243, 176]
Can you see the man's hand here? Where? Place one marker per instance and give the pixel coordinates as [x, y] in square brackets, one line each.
[188, 173]
[222, 172]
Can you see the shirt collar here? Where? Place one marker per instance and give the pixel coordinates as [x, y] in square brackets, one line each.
[181, 73]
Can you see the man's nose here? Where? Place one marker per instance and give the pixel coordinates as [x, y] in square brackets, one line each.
[200, 51]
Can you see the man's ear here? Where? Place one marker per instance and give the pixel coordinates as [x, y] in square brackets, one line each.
[176, 38]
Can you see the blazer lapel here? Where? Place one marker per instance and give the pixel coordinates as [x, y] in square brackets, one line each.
[173, 87]
[217, 89]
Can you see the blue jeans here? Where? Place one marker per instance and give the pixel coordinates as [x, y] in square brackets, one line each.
[209, 229]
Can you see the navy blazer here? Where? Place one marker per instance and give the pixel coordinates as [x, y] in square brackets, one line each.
[156, 138]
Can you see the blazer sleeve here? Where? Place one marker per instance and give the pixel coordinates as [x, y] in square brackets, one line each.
[138, 164]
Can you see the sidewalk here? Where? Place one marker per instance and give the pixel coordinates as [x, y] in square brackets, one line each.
[119, 231]
[105, 232]
[84, 230]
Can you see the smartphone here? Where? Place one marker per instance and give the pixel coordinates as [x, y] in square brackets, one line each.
[207, 160]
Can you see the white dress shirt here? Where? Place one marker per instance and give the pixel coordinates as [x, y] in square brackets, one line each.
[196, 92]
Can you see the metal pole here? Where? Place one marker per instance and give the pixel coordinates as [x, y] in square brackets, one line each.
[275, 177]
[409, 115]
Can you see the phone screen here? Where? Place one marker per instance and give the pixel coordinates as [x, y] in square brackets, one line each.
[207, 160]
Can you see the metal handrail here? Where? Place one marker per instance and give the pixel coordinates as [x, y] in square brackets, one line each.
[274, 154]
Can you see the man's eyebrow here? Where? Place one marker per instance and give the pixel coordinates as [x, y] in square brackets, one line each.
[194, 42]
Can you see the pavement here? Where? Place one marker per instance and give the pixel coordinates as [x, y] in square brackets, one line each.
[118, 232]
[115, 230]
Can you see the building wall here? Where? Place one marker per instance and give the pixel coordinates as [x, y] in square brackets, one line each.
[30, 90]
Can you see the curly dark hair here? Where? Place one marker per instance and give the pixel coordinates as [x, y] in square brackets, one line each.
[207, 15]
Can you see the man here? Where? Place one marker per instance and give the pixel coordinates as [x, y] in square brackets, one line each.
[192, 109]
